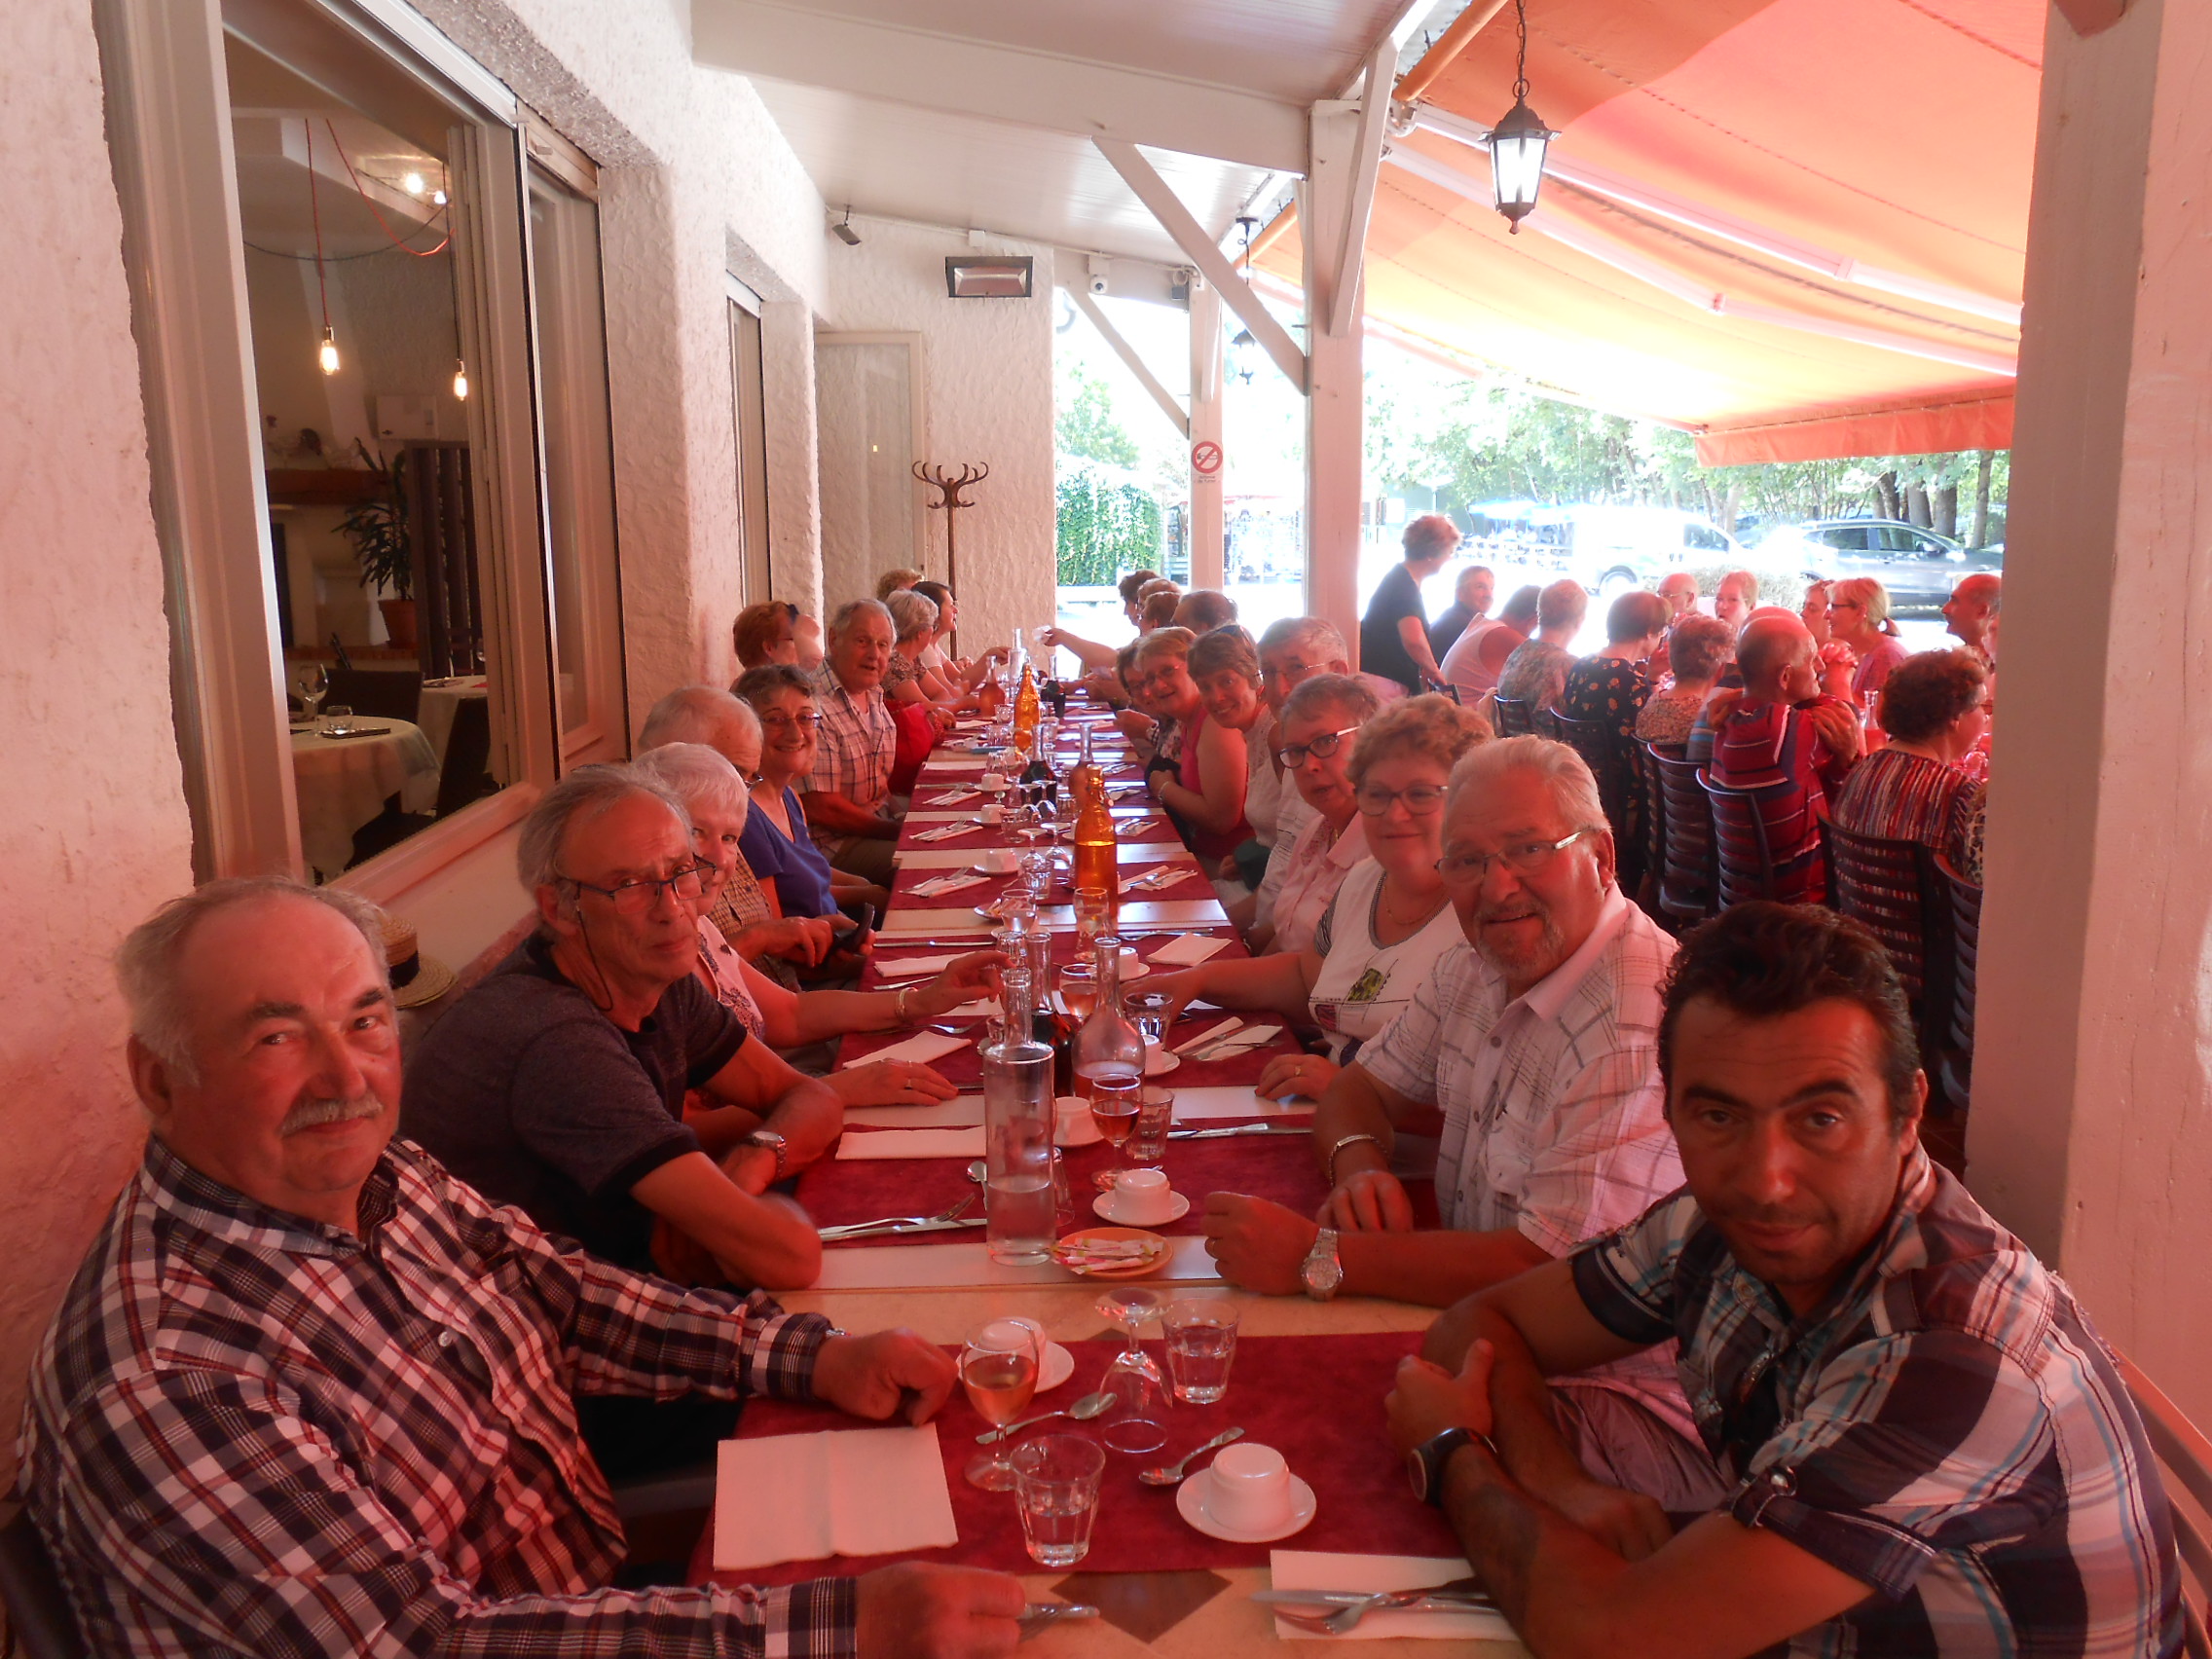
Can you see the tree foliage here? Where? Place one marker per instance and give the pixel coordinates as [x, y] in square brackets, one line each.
[1085, 427]
[1109, 523]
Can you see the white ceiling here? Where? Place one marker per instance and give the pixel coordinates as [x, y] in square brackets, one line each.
[979, 114]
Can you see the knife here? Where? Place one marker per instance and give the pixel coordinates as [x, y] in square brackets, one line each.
[1459, 1594]
[1208, 1038]
[884, 1229]
[1240, 1129]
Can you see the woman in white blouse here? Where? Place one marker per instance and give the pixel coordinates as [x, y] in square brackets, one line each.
[1391, 919]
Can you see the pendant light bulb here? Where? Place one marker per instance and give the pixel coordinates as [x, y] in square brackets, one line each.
[327, 356]
[460, 380]
[438, 197]
[414, 183]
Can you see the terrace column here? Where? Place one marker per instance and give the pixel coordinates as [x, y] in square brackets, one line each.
[1204, 524]
[1336, 409]
[2089, 1132]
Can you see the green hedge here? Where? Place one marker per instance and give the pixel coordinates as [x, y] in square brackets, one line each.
[1108, 525]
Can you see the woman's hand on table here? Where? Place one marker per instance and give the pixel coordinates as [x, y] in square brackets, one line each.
[1180, 989]
[921, 1611]
[1368, 1201]
[964, 979]
[1258, 1245]
[889, 1083]
[804, 940]
[1287, 1076]
[884, 1373]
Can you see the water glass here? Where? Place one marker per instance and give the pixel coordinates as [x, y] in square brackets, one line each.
[1036, 873]
[1148, 1139]
[1147, 1011]
[1090, 915]
[1057, 1479]
[1201, 1346]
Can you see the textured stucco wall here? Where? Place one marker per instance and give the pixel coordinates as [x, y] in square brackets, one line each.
[695, 180]
[94, 830]
[986, 396]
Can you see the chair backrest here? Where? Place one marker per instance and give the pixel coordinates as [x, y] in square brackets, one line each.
[2185, 1463]
[1964, 901]
[376, 692]
[1689, 866]
[1545, 723]
[1890, 887]
[1603, 751]
[40, 1620]
[1654, 820]
[1512, 716]
[1742, 852]
[468, 750]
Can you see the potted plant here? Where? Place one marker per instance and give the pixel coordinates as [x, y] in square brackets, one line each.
[377, 529]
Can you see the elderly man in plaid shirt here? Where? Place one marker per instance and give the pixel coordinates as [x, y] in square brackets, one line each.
[310, 1395]
[1533, 1049]
[1923, 1449]
[847, 800]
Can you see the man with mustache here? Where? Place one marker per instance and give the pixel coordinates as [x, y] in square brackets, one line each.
[1917, 1445]
[1534, 1051]
[310, 1396]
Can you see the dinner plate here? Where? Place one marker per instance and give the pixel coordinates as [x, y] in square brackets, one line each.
[1191, 1502]
[1104, 1205]
[1130, 1269]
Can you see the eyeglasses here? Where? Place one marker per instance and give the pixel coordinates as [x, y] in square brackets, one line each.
[1420, 801]
[1468, 869]
[799, 722]
[1847, 605]
[1293, 756]
[1159, 678]
[637, 897]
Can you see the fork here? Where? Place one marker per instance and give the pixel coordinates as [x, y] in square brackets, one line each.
[898, 1223]
[1439, 1599]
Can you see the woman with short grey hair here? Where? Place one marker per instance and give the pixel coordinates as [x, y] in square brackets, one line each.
[714, 803]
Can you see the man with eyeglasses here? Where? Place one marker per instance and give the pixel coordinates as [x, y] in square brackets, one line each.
[1533, 1050]
[559, 1084]
[1911, 1441]
[847, 798]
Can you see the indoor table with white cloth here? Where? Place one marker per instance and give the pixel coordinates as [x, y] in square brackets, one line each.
[344, 782]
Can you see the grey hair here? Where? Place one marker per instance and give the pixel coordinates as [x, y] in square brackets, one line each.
[913, 615]
[843, 617]
[699, 776]
[1315, 631]
[695, 713]
[147, 962]
[578, 798]
[1348, 696]
[1574, 789]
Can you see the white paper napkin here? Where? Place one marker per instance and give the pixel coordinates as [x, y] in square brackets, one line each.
[955, 798]
[937, 884]
[879, 1144]
[1315, 1569]
[922, 1046]
[961, 1112]
[804, 1496]
[1188, 951]
[914, 967]
[957, 762]
[945, 831]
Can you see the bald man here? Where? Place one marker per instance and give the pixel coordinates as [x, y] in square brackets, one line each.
[1971, 608]
[1790, 740]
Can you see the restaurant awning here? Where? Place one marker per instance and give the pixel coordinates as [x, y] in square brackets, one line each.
[1795, 227]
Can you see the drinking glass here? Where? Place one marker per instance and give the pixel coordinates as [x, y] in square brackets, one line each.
[1089, 916]
[1201, 1346]
[1036, 873]
[1115, 1102]
[1057, 1479]
[314, 686]
[1147, 1011]
[1136, 1423]
[1148, 1138]
[999, 1364]
[1078, 989]
[338, 714]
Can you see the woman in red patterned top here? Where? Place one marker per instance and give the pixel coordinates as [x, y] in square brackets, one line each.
[1934, 708]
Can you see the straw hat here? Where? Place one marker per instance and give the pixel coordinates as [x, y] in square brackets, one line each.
[416, 979]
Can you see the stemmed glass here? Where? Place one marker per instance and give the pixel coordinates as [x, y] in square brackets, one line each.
[314, 686]
[1115, 1102]
[1136, 1423]
[999, 1367]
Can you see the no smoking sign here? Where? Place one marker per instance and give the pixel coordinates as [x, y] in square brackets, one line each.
[1205, 459]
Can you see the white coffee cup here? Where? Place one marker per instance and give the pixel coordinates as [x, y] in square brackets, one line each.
[991, 813]
[1143, 1196]
[994, 783]
[1251, 1487]
[1000, 861]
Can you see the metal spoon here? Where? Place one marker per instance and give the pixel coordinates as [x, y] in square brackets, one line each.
[1168, 1474]
[1083, 1410]
[978, 1171]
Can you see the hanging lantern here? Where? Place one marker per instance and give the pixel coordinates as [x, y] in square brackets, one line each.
[1517, 143]
[460, 380]
[328, 355]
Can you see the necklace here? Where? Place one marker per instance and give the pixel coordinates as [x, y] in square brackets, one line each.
[1390, 911]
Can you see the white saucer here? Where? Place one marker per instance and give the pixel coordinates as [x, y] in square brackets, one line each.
[1059, 1366]
[1103, 1206]
[1159, 1062]
[1191, 1501]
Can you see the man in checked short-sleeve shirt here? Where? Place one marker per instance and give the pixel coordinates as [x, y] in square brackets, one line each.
[1926, 1450]
[309, 1395]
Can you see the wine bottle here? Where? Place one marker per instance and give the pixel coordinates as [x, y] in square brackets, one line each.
[1097, 854]
[1028, 710]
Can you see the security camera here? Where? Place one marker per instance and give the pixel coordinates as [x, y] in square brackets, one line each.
[1098, 283]
[1101, 270]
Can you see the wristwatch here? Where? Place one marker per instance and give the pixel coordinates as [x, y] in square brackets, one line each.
[1425, 1464]
[1321, 1272]
[775, 1143]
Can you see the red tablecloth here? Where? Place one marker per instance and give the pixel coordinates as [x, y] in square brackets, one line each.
[1317, 1399]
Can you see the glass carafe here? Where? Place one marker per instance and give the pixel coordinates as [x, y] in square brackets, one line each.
[1019, 1121]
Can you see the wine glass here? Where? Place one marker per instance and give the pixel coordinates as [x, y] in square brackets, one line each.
[1078, 989]
[999, 1366]
[314, 686]
[1115, 1101]
[1136, 1422]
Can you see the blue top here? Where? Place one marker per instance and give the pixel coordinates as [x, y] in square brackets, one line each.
[798, 870]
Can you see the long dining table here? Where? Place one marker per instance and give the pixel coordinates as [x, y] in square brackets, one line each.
[1309, 1376]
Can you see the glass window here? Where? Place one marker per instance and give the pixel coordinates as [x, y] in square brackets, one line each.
[751, 426]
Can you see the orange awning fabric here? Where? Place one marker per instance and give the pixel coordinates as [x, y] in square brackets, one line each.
[1795, 227]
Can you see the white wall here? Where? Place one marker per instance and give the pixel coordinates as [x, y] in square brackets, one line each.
[94, 832]
[986, 395]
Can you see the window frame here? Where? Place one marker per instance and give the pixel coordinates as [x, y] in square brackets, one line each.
[169, 139]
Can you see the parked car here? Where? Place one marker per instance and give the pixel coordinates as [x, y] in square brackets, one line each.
[1918, 567]
[1611, 549]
